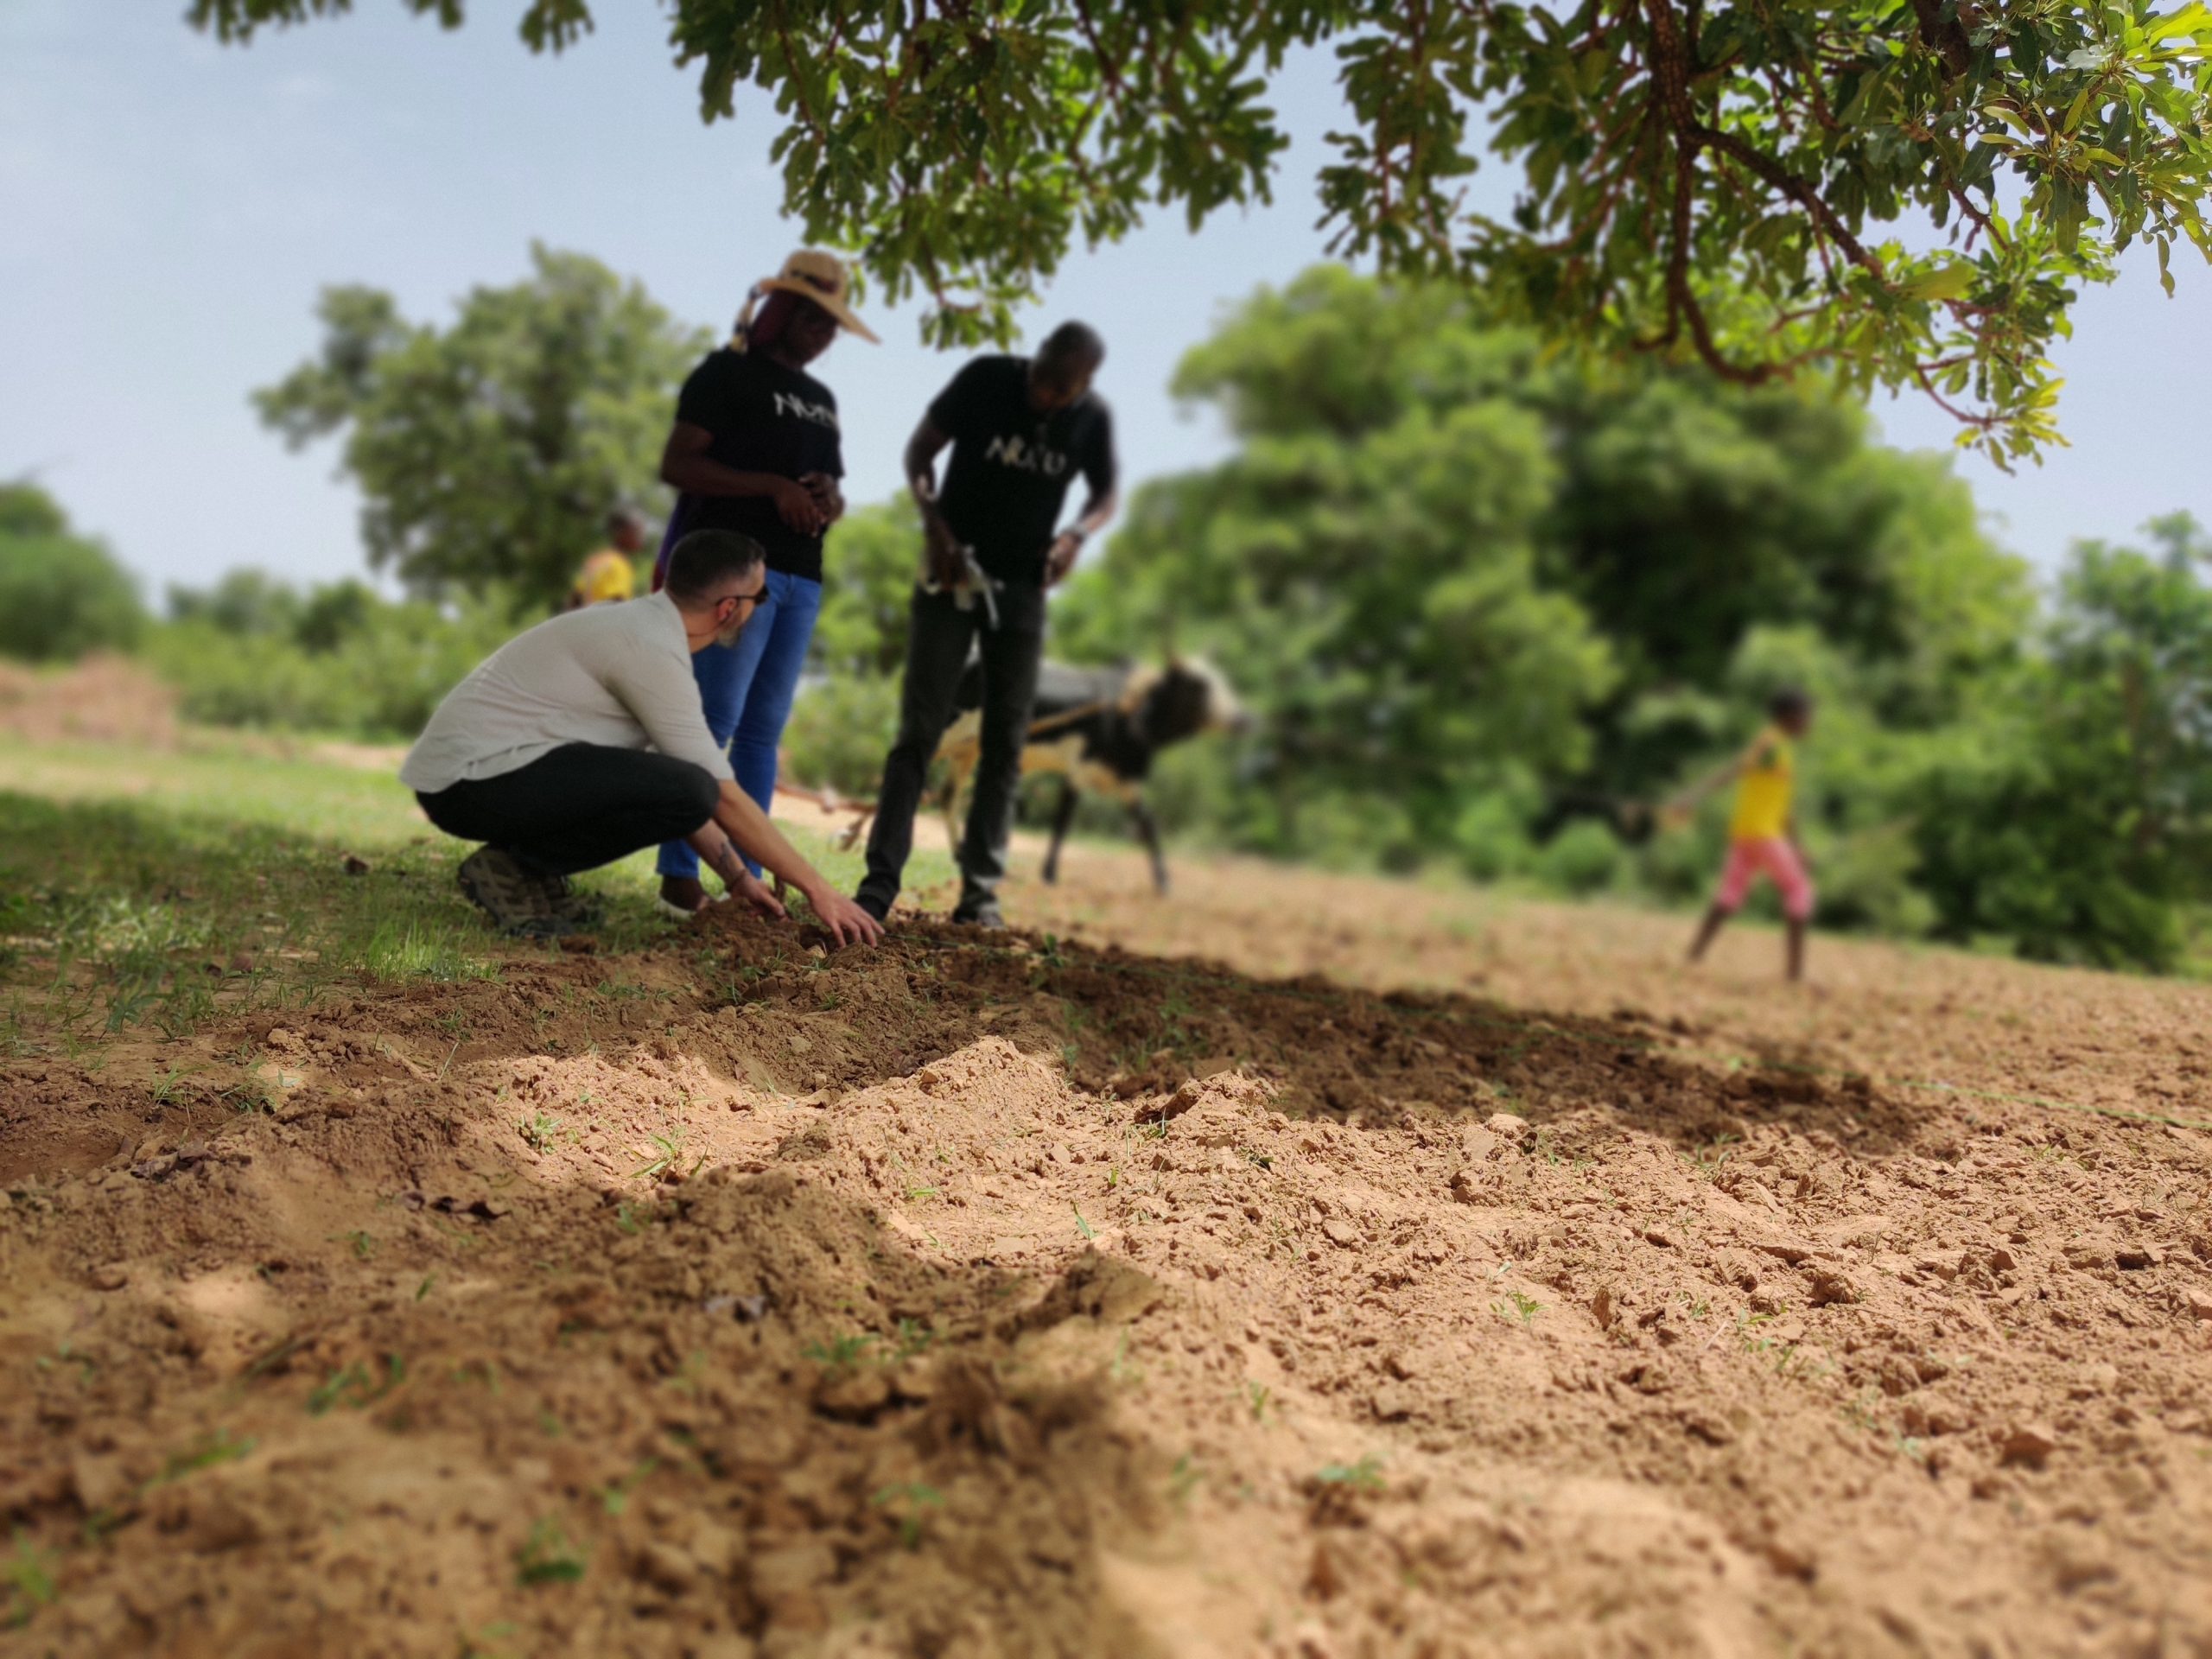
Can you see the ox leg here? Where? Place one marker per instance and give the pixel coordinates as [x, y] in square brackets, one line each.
[1063, 816]
[1148, 832]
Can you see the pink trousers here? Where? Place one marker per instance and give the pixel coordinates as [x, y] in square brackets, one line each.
[1772, 856]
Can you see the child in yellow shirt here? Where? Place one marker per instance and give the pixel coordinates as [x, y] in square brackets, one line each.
[611, 574]
[1762, 831]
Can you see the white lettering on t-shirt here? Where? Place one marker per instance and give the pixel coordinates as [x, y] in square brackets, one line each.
[820, 414]
[1016, 452]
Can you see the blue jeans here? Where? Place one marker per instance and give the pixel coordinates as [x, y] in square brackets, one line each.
[746, 690]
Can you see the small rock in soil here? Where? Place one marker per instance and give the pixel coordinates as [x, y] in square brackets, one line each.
[1828, 1289]
[747, 1310]
[2028, 1444]
[854, 1395]
[665, 1567]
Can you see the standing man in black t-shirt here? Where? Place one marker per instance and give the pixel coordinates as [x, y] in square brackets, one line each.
[1021, 429]
[754, 448]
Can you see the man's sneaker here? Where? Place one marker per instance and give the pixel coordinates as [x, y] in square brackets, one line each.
[983, 913]
[875, 906]
[514, 899]
[565, 902]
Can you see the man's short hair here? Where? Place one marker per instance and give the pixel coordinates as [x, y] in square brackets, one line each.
[705, 559]
[1791, 702]
[623, 519]
[1073, 344]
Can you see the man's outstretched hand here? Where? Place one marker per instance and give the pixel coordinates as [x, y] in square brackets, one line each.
[848, 924]
[757, 893]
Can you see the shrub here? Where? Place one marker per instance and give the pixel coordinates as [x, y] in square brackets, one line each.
[60, 594]
[839, 732]
[1584, 858]
[2024, 848]
[1491, 839]
[386, 669]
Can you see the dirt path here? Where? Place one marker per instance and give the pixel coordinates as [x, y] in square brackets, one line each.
[979, 1297]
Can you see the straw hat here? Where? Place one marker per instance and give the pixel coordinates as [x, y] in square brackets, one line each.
[813, 276]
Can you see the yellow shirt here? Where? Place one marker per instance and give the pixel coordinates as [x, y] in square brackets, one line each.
[605, 575]
[1762, 792]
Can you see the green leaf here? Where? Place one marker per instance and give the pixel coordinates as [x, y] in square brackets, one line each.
[1945, 283]
[2193, 20]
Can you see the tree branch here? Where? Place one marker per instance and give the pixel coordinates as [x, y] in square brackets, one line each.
[1944, 36]
[1789, 184]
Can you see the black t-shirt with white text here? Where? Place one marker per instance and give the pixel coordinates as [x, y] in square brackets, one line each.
[1008, 478]
[765, 418]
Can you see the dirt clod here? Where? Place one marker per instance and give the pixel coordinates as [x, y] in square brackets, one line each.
[1828, 1286]
[2028, 1444]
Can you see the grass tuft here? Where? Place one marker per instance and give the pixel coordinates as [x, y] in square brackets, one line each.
[548, 1556]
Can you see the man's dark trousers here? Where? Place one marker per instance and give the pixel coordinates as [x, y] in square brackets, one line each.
[938, 634]
[578, 807]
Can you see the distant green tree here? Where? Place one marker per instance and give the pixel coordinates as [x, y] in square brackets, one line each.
[26, 510]
[488, 454]
[848, 708]
[873, 556]
[61, 594]
[246, 602]
[1368, 567]
[1719, 183]
[1691, 512]
[334, 613]
[1396, 441]
[2075, 817]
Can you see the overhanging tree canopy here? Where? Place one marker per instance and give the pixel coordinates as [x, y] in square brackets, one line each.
[1717, 179]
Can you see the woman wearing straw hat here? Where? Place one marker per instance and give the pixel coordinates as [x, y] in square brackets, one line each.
[755, 449]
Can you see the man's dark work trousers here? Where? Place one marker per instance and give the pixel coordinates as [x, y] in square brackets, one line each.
[938, 633]
[578, 807]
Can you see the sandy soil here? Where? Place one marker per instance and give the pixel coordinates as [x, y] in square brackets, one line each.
[1305, 1268]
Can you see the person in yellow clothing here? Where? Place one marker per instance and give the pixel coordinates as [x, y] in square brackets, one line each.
[611, 573]
[1763, 829]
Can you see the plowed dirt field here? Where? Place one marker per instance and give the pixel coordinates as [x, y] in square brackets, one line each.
[1302, 1268]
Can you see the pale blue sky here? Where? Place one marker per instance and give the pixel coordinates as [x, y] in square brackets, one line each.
[169, 210]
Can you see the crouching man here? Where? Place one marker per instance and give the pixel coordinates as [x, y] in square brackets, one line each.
[583, 740]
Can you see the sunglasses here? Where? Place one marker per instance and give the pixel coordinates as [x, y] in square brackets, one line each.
[753, 598]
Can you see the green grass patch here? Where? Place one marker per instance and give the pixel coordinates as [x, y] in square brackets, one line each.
[409, 950]
[162, 888]
[27, 1575]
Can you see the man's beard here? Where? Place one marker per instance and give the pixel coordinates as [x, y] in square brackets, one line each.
[728, 635]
